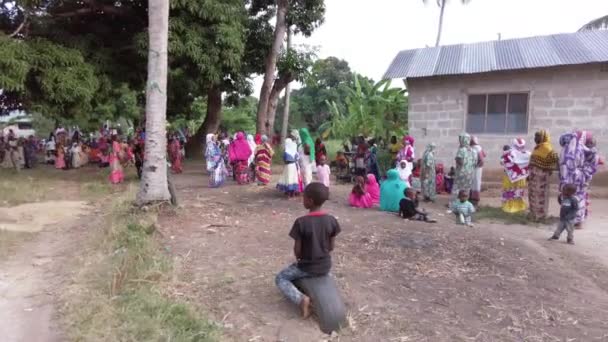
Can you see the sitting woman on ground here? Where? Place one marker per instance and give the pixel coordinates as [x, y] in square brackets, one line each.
[359, 197]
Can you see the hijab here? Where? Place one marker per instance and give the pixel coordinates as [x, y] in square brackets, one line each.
[391, 192]
[428, 158]
[543, 156]
[258, 139]
[405, 172]
[373, 189]
[291, 148]
[307, 139]
[296, 137]
[239, 149]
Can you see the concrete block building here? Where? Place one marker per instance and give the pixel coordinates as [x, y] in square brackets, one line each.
[500, 90]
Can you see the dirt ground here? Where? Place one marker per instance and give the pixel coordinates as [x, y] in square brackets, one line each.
[41, 241]
[401, 281]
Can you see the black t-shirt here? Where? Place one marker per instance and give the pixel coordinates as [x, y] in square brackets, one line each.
[407, 208]
[315, 230]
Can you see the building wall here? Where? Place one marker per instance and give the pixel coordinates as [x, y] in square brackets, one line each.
[560, 99]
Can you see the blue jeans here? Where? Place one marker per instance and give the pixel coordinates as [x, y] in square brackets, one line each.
[284, 281]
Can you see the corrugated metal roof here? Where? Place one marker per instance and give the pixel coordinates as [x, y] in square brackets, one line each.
[513, 54]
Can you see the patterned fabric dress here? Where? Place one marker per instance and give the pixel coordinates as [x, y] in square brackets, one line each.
[215, 163]
[542, 163]
[577, 164]
[263, 162]
[463, 177]
[428, 176]
[475, 197]
[515, 162]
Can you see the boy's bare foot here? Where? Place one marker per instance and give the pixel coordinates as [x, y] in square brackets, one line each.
[305, 307]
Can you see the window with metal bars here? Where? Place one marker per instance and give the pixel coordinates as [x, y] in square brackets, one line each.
[503, 113]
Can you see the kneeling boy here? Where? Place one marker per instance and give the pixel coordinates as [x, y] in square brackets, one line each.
[314, 236]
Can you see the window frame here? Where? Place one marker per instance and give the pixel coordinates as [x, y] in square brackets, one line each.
[485, 118]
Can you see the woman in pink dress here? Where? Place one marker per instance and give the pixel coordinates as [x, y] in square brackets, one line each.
[116, 172]
[239, 152]
[60, 158]
[359, 197]
[373, 189]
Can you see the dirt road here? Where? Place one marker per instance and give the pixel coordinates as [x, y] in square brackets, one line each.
[402, 281]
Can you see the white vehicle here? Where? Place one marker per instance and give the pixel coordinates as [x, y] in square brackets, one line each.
[22, 129]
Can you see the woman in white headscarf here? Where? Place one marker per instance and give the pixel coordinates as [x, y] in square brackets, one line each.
[289, 183]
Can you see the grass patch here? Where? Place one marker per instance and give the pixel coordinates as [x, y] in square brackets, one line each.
[498, 215]
[120, 293]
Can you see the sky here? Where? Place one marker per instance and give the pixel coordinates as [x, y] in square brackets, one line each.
[369, 34]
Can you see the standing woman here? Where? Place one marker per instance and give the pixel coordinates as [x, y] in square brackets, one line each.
[407, 152]
[478, 173]
[304, 160]
[393, 148]
[466, 159]
[515, 162]
[175, 154]
[116, 172]
[60, 156]
[289, 183]
[239, 153]
[263, 161]
[542, 163]
[428, 174]
[577, 164]
[215, 163]
[309, 149]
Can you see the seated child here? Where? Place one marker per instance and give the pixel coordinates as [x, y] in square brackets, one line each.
[567, 213]
[463, 209]
[408, 207]
[323, 171]
[359, 197]
[314, 236]
[405, 171]
[439, 178]
[449, 180]
[373, 189]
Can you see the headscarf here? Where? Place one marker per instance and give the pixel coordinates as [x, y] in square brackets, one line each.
[577, 162]
[258, 138]
[481, 154]
[428, 158]
[543, 155]
[373, 189]
[264, 139]
[253, 147]
[307, 140]
[405, 173]
[464, 139]
[296, 137]
[408, 151]
[291, 150]
[391, 192]
[239, 149]
[517, 160]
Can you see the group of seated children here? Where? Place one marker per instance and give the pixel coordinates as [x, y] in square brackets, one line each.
[396, 195]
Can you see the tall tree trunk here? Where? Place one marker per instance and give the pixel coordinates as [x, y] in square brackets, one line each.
[211, 124]
[273, 99]
[270, 66]
[440, 26]
[153, 186]
[285, 125]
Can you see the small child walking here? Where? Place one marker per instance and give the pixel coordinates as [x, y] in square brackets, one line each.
[408, 207]
[314, 236]
[323, 171]
[463, 209]
[567, 213]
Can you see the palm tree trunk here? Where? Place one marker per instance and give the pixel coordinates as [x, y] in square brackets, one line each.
[153, 186]
[440, 26]
[270, 66]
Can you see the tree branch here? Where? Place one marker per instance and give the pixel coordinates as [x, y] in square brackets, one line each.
[20, 27]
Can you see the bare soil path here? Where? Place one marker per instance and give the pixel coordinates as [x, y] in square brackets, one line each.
[402, 281]
[36, 266]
